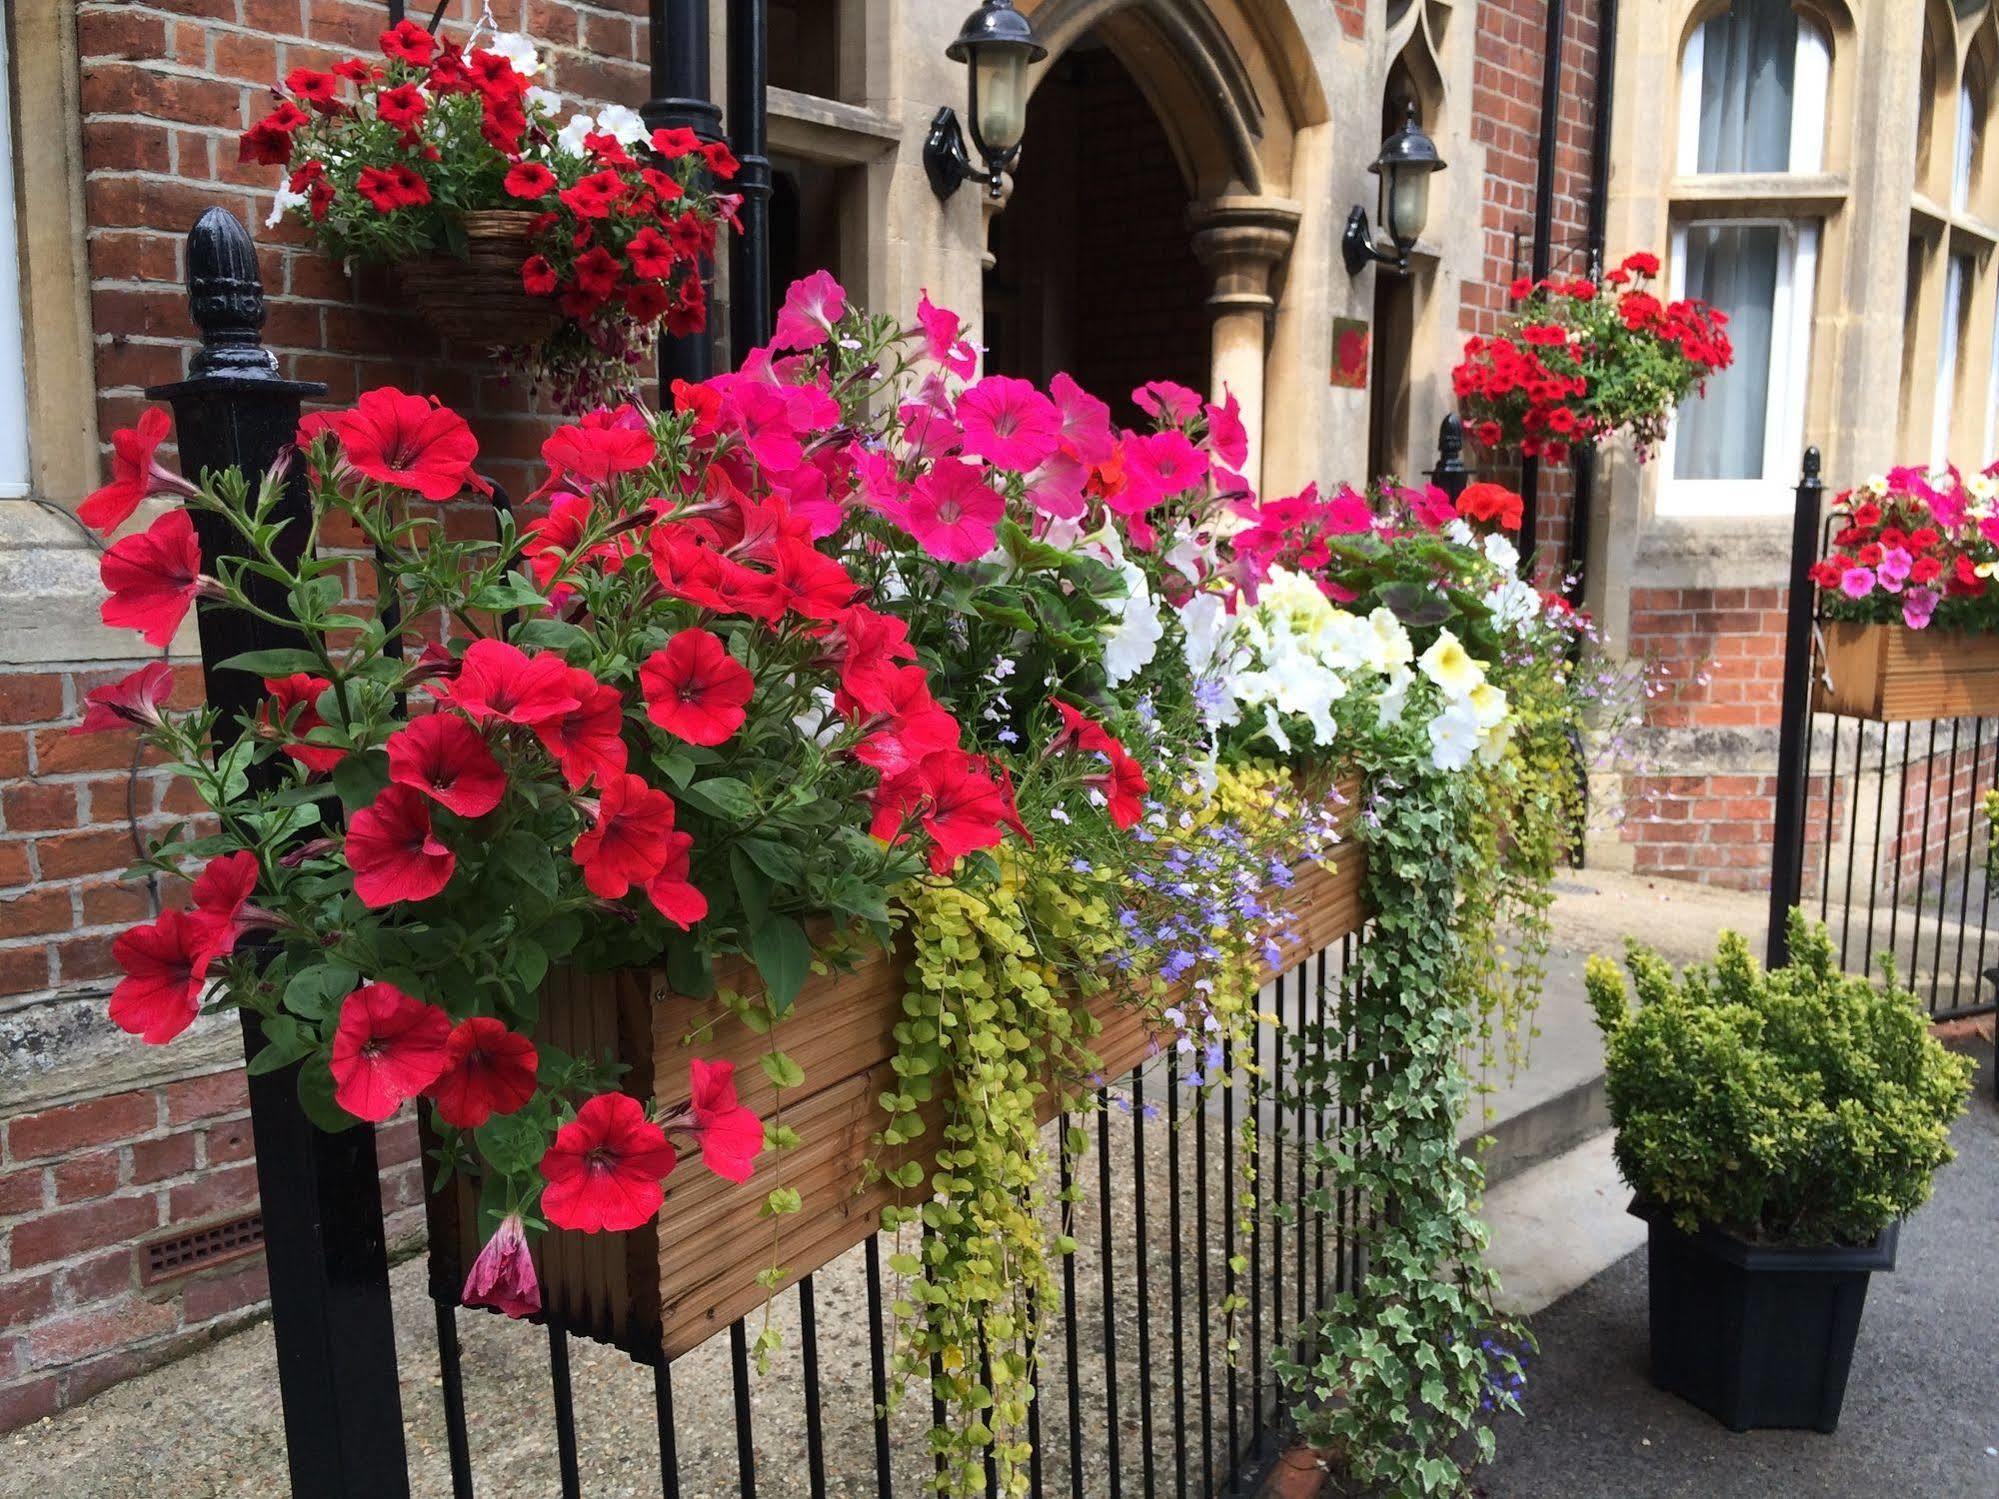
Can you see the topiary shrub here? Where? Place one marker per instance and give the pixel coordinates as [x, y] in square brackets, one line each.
[1803, 1106]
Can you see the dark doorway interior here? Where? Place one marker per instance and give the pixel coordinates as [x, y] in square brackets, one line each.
[1094, 270]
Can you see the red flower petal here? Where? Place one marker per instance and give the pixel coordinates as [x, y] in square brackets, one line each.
[392, 851]
[488, 1070]
[388, 1047]
[444, 757]
[605, 1167]
[694, 689]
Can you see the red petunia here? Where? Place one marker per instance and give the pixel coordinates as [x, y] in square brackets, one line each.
[388, 1047]
[528, 179]
[594, 196]
[596, 272]
[393, 852]
[221, 891]
[590, 453]
[488, 1070]
[497, 680]
[1079, 729]
[809, 583]
[1124, 788]
[731, 1136]
[294, 700]
[132, 700]
[627, 842]
[588, 741]
[538, 278]
[269, 141]
[391, 188]
[165, 964]
[675, 141]
[678, 900]
[605, 1167]
[134, 472]
[153, 578]
[694, 689]
[445, 758]
[403, 106]
[408, 42]
[320, 90]
[721, 160]
[409, 443]
[651, 253]
[503, 1277]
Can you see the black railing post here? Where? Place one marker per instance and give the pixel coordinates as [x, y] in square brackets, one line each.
[678, 54]
[1449, 475]
[749, 119]
[1787, 840]
[321, 1193]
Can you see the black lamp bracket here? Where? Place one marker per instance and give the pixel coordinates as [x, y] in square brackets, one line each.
[1359, 249]
[949, 164]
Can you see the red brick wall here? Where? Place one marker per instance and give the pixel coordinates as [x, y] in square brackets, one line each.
[1510, 50]
[167, 87]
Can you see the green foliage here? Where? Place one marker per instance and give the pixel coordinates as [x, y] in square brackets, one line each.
[1801, 1106]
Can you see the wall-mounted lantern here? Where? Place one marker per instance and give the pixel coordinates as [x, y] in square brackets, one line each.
[998, 45]
[1407, 159]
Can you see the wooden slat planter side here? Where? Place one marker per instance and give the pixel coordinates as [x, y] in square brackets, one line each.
[669, 1287]
[1892, 674]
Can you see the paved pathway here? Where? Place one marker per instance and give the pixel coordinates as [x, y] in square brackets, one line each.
[1922, 1408]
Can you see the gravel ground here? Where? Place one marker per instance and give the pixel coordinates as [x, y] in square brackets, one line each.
[1921, 1418]
[210, 1424]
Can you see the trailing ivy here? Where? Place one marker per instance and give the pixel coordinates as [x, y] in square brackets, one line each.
[1408, 1361]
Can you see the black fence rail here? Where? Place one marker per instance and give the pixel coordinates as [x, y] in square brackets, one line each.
[1137, 1389]
[1880, 827]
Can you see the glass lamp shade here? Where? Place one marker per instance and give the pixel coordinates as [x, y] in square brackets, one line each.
[1405, 202]
[999, 97]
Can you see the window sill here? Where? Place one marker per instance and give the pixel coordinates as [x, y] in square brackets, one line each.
[827, 130]
[1763, 194]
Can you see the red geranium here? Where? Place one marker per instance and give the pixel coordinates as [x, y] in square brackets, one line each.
[445, 758]
[165, 964]
[488, 1070]
[627, 842]
[694, 689]
[407, 442]
[153, 578]
[731, 1136]
[135, 472]
[393, 852]
[605, 1167]
[1492, 503]
[388, 1048]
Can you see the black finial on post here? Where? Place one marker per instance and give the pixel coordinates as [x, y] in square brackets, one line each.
[321, 1193]
[1813, 463]
[225, 295]
[1450, 474]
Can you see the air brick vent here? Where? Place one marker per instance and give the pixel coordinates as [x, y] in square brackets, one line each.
[198, 1248]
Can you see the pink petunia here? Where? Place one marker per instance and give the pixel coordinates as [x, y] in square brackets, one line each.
[1857, 582]
[811, 307]
[943, 340]
[1228, 439]
[1086, 421]
[1918, 604]
[1009, 423]
[1167, 401]
[952, 513]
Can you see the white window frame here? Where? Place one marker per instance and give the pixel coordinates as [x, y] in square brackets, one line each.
[1788, 381]
[1959, 273]
[1962, 149]
[14, 471]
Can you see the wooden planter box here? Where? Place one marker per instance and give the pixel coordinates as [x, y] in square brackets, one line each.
[1892, 674]
[666, 1288]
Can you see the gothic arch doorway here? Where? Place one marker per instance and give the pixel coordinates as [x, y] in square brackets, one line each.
[1094, 270]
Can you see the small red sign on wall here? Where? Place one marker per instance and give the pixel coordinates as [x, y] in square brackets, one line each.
[1350, 352]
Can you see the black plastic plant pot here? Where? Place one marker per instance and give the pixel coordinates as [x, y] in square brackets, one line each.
[1756, 1336]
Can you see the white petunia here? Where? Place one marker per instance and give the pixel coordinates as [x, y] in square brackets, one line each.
[1514, 603]
[1130, 642]
[623, 124]
[1461, 533]
[569, 139]
[518, 50]
[1450, 666]
[546, 100]
[1489, 704]
[1394, 697]
[285, 201]
[1391, 647]
[1502, 553]
[1454, 737]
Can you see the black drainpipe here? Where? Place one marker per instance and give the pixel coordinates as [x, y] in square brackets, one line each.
[1544, 231]
[1577, 559]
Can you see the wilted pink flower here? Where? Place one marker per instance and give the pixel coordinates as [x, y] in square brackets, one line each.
[942, 340]
[1918, 604]
[503, 1276]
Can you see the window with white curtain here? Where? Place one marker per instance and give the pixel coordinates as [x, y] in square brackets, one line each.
[13, 375]
[1752, 100]
[1956, 304]
[1964, 158]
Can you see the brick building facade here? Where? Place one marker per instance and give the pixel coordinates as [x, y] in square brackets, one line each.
[121, 1168]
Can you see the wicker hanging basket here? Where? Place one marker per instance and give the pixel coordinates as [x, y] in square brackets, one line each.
[480, 300]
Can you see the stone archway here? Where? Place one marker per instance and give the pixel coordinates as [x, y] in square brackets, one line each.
[1203, 176]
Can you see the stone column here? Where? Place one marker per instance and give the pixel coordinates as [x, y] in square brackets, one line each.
[1243, 239]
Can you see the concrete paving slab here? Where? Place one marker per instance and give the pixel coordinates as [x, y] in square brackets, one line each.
[1558, 1225]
